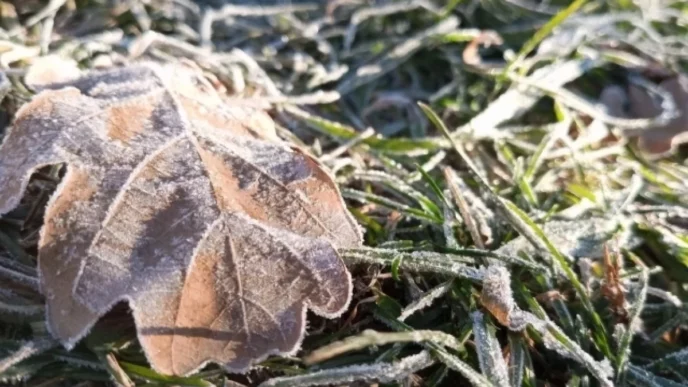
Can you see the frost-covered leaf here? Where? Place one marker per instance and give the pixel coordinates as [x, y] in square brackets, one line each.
[640, 103]
[217, 233]
[496, 294]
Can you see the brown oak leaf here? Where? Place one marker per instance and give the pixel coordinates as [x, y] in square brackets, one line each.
[657, 140]
[218, 234]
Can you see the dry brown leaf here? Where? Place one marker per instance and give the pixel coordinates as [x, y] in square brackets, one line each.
[486, 38]
[639, 104]
[496, 295]
[612, 288]
[51, 69]
[218, 234]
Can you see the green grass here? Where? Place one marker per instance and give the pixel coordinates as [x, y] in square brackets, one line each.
[444, 198]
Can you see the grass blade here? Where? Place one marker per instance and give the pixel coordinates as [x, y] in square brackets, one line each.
[492, 363]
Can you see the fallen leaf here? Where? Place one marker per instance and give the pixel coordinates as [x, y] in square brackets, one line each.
[496, 295]
[218, 234]
[471, 55]
[51, 69]
[635, 102]
[612, 288]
